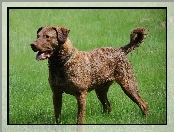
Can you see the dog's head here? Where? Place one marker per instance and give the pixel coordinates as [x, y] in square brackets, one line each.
[48, 38]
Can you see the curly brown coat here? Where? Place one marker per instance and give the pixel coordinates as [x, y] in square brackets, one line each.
[77, 72]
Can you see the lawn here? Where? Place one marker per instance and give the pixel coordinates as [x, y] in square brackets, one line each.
[30, 97]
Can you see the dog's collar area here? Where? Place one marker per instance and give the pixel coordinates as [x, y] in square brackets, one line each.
[62, 61]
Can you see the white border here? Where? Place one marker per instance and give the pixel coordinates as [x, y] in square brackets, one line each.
[90, 128]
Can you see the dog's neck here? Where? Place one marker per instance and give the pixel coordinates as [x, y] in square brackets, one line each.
[62, 54]
[64, 49]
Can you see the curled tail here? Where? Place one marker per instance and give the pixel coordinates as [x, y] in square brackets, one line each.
[136, 38]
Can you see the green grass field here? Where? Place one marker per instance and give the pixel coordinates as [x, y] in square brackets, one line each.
[30, 97]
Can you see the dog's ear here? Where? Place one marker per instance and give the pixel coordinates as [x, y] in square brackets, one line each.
[62, 33]
[39, 30]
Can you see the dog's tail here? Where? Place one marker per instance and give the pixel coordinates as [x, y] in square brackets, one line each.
[136, 38]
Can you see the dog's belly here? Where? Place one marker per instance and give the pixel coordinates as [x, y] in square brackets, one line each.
[75, 85]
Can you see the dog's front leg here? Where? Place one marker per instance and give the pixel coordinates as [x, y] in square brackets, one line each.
[81, 101]
[57, 101]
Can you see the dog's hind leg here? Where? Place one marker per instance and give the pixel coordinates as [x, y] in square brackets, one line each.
[126, 79]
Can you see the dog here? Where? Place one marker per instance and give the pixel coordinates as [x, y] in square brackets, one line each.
[77, 72]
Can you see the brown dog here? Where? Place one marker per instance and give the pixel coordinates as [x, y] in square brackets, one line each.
[78, 72]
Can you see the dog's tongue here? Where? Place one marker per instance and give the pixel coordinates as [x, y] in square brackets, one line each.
[42, 56]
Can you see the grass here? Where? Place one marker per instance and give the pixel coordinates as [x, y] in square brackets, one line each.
[30, 97]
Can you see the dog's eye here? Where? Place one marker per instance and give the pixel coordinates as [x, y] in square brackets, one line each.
[47, 36]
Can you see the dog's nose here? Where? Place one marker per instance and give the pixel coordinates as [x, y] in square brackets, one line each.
[32, 44]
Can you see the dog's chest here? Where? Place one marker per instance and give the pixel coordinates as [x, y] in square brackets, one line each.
[68, 82]
[57, 76]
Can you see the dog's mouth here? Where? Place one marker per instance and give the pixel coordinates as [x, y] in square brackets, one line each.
[43, 55]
